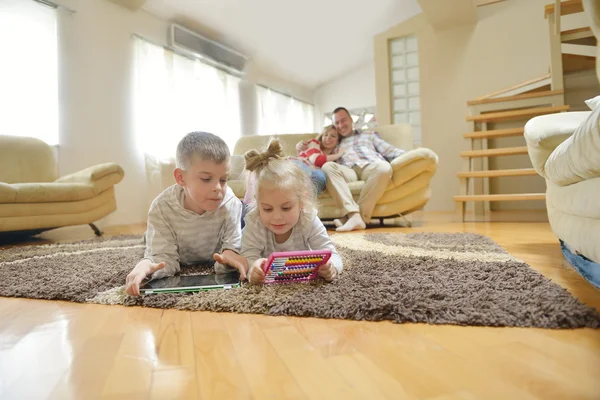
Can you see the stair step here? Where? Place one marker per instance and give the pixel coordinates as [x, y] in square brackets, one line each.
[523, 96]
[574, 63]
[577, 34]
[566, 8]
[579, 49]
[525, 113]
[496, 133]
[500, 197]
[519, 88]
[506, 151]
[498, 173]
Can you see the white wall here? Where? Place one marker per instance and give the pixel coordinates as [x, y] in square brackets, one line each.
[95, 64]
[95, 54]
[355, 89]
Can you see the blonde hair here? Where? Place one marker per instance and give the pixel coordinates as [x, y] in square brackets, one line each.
[272, 171]
[325, 130]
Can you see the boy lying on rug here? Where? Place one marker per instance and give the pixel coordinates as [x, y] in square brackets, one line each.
[284, 217]
[196, 220]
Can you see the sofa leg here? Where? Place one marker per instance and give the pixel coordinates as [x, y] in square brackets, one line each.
[408, 223]
[97, 231]
[380, 221]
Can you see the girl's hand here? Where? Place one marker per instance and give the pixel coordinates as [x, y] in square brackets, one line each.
[256, 273]
[229, 257]
[327, 271]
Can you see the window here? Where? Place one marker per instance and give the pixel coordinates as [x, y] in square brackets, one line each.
[406, 100]
[28, 70]
[279, 113]
[175, 95]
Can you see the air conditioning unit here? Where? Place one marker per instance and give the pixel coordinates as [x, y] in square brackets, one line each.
[209, 51]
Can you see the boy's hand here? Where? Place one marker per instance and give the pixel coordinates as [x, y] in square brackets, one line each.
[137, 275]
[327, 271]
[233, 259]
[256, 273]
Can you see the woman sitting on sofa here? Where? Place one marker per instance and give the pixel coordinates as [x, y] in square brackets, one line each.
[313, 153]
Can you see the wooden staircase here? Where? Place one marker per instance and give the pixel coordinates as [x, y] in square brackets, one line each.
[498, 119]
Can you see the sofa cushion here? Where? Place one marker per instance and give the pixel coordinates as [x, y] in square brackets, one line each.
[26, 159]
[580, 199]
[574, 215]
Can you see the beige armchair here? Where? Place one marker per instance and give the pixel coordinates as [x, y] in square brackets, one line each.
[408, 191]
[33, 198]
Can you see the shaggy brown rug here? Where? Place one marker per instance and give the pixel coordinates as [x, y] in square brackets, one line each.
[437, 278]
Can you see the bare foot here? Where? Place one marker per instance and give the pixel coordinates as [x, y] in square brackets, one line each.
[355, 222]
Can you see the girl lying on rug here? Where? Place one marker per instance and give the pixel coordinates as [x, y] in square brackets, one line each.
[284, 215]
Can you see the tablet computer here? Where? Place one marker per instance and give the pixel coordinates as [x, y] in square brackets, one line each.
[191, 283]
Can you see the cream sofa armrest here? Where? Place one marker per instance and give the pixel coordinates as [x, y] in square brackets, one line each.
[92, 174]
[544, 133]
[8, 194]
[413, 163]
[100, 177]
[412, 156]
[577, 158]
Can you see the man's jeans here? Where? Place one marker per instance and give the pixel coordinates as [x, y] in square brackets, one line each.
[586, 267]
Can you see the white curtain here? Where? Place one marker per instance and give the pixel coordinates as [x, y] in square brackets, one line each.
[28, 70]
[279, 114]
[175, 95]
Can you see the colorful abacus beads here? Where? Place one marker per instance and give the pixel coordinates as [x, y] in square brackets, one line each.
[295, 266]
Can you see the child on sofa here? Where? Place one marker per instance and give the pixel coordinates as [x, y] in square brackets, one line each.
[284, 217]
[317, 152]
[197, 220]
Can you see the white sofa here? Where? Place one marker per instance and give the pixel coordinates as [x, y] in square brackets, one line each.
[565, 150]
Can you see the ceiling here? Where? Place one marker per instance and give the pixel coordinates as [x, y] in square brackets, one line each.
[308, 42]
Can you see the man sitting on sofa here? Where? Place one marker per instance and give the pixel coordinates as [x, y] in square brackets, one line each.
[366, 157]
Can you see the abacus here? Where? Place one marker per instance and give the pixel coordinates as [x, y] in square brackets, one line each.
[294, 266]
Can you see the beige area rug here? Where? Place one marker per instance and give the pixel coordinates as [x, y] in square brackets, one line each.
[436, 278]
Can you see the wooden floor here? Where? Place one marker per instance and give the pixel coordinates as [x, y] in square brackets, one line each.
[59, 350]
